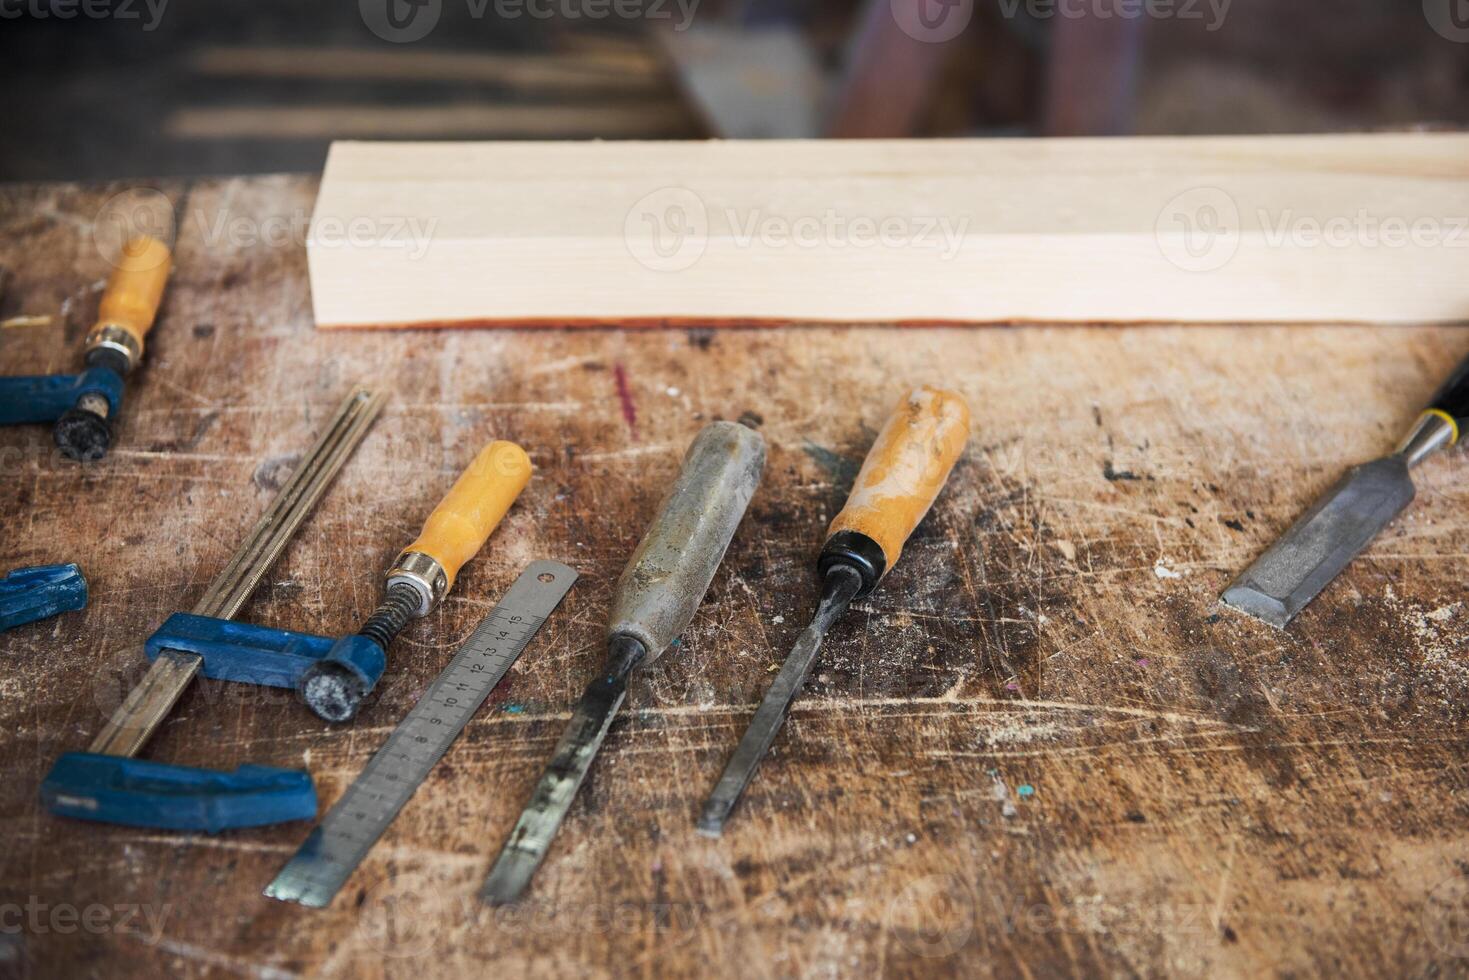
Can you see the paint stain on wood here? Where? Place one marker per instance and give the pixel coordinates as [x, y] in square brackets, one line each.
[625, 400]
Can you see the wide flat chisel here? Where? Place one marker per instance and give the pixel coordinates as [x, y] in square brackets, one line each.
[653, 602]
[1348, 516]
[904, 471]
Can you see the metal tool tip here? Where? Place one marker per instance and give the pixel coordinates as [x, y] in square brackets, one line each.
[332, 691]
[289, 894]
[714, 817]
[1252, 602]
[509, 878]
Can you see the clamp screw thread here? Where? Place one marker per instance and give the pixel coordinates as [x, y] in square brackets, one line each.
[400, 605]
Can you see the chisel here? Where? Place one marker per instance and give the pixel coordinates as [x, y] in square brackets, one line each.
[904, 471]
[423, 574]
[653, 602]
[1348, 516]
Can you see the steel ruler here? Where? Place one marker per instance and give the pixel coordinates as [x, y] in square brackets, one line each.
[339, 843]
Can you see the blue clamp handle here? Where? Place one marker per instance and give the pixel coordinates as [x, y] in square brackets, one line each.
[138, 793]
[47, 397]
[240, 652]
[261, 655]
[29, 594]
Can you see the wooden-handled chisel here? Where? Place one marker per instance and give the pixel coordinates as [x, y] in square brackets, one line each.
[654, 601]
[1348, 516]
[902, 476]
[420, 578]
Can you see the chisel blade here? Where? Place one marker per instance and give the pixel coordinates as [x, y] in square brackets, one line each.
[843, 583]
[533, 833]
[1322, 543]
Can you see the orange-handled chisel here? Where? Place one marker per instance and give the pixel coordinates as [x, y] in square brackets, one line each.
[420, 578]
[114, 346]
[902, 476]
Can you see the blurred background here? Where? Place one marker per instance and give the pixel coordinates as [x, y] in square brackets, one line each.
[139, 88]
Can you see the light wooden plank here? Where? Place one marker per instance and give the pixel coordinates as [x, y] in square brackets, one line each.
[1321, 229]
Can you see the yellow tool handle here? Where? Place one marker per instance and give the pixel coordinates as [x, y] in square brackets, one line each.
[474, 507]
[905, 469]
[136, 287]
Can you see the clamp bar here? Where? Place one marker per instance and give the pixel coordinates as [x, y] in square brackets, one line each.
[262, 655]
[145, 707]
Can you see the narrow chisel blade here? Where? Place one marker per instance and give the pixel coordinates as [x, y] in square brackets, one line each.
[1322, 543]
[837, 593]
[758, 738]
[538, 823]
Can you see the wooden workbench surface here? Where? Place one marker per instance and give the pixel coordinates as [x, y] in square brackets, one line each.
[1040, 749]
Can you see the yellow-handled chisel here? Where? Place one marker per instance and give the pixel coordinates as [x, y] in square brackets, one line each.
[900, 479]
[420, 578]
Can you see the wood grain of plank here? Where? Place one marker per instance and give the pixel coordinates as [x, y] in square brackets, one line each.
[1273, 229]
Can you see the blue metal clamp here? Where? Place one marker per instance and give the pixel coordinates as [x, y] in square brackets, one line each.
[47, 397]
[29, 594]
[138, 793]
[250, 654]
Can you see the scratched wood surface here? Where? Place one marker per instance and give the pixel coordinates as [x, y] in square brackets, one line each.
[1040, 749]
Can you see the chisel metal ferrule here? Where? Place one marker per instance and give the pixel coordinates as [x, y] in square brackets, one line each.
[426, 576]
[854, 550]
[1435, 430]
[114, 343]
